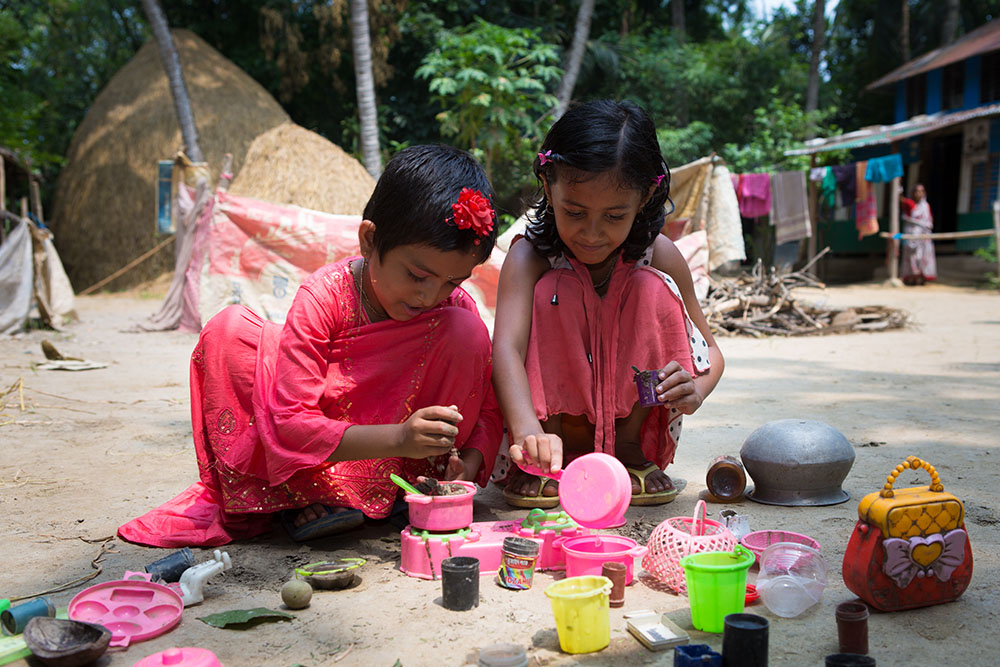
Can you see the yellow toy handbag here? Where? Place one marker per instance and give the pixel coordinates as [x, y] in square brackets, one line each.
[910, 547]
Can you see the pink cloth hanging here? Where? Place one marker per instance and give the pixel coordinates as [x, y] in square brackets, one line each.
[754, 195]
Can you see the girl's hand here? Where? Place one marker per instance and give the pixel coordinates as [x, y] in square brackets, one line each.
[677, 390]
[429, 432]
[464, 465]
[544, 450]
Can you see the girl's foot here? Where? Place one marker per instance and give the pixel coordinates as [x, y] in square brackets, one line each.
[650, 485]
[316, 511]
[524, 490]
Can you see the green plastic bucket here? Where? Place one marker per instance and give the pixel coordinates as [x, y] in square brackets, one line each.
[717, 585]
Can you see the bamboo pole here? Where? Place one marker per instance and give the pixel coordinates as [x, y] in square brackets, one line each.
[996, 231]
[135, 262]
[3, 197]
[941, 236]
[892, 246]
[36, 198]
[813, 210]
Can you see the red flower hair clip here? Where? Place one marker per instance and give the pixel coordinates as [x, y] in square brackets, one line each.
[473, 211]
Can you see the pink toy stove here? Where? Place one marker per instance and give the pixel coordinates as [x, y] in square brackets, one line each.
[423, 551]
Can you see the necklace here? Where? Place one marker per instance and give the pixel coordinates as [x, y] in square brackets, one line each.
[607, 279]
[366, 304]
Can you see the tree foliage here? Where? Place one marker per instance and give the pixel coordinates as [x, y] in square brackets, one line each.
[735, 84]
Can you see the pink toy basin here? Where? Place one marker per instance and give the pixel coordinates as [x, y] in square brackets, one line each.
[588, 553]
[442, 512]
[133, 609]
[594, 490]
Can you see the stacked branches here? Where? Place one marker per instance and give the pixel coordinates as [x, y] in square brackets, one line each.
[761, 303]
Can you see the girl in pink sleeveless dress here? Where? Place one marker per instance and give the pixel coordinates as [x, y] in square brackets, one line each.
[591, 291]
[382, 366]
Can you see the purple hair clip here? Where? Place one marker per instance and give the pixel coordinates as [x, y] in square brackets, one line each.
[659, 179]
[544, 157]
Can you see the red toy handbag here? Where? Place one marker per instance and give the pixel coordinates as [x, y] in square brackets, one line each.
[909, 548]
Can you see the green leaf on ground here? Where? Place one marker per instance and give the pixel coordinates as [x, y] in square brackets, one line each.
[246, 618]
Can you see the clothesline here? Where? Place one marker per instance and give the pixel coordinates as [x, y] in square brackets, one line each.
[784, 197]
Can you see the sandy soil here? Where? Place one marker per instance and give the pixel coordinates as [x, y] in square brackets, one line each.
[93, 449]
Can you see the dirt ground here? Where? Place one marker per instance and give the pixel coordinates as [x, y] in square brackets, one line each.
[93, 449]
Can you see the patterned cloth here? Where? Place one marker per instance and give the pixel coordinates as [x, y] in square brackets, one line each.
[270, 403]
[918, 259]
[865, 208]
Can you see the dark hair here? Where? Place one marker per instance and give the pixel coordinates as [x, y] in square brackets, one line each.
[412, 201]
[594, 138]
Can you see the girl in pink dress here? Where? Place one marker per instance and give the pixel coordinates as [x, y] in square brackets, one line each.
[592, 290]
[382, 366]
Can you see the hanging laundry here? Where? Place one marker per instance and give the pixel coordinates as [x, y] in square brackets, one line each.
[754, 195]
[817, 173]
[884, 169]
[828, 189]
[865, 210]
[846, 177]
[790, 210]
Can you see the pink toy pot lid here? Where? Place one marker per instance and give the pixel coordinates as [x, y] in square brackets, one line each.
[594, 489]
[133, 608]
[181, 657]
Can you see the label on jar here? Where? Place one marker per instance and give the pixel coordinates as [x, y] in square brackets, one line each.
[516, 571]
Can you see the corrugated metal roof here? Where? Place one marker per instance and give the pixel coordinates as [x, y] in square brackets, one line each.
[983, 39]
[886, 134]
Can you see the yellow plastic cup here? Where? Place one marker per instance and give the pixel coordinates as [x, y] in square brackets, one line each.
[717, 586]
[581, 606]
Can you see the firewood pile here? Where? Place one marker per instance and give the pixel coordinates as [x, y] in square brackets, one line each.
[761, 303]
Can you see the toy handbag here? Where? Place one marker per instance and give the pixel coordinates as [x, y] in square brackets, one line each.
[909, 548]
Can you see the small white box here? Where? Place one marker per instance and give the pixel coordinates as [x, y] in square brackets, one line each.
[655, 631]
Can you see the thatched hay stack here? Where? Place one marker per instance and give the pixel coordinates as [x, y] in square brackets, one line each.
[104, 209]
[292, 165]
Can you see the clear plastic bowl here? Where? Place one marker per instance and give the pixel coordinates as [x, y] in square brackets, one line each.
[791, 579]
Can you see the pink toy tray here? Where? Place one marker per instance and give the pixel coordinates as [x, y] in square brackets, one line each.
[133, 609]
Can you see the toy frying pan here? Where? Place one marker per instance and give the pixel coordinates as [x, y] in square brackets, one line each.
[594, 489]
[133, 608]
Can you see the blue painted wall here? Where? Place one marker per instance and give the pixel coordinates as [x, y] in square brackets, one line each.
[970, 97]
[934, 91]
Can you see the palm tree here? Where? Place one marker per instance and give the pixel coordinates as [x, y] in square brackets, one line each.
[365, 81]
[819, 34]
[175, 76]
[580, 35]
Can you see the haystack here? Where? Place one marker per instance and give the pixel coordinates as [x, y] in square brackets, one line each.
[104, 209]
[292, 165]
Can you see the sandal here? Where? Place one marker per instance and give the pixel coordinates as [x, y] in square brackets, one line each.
[643, 498]
[330, 523]
[538, 500]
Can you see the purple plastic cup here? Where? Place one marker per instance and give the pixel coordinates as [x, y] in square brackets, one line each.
[645, 382]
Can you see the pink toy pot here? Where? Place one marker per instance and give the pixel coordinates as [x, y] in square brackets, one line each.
[587, 554]
[594, 489]
[442, 513]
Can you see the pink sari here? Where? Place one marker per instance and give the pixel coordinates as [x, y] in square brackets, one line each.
[270, 403]
[581, 351]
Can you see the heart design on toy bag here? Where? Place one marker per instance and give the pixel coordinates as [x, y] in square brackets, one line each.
[925, 554]
[936, 555]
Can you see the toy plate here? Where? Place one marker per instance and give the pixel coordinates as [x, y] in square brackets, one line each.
[133, 609]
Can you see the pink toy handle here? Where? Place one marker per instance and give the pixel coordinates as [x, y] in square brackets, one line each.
[638, 551]
[696, 522]
[532, 469]
[418, 499]
[137, 576]
[557, 543]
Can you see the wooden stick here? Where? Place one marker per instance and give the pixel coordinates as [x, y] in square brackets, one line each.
[131, 265]
[976, 233]
[36, 198]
